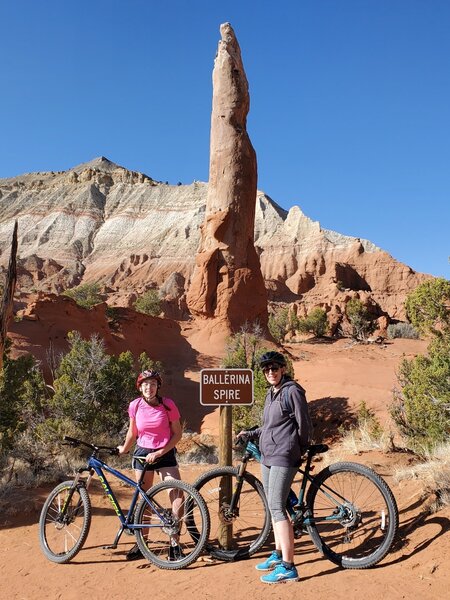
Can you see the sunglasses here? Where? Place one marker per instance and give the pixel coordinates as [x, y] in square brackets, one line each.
[273, 368]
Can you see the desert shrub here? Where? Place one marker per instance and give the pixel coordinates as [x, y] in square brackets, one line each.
[245, 417]
[24, 400]
[316, 322]
[147, 363]
[360, 321]
[22, 389]
[149, 303]
[402, 330]
[92, 389]
[86, 295]
[366, 419]
[279, 323]
[366, 434]
[428, 307]
[112, 314]
[421, 408]
[243, 349]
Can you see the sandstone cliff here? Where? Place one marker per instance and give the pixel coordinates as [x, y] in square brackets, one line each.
[102, 222]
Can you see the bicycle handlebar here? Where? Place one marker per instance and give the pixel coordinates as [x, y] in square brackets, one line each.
[246, 436]
[71, 441]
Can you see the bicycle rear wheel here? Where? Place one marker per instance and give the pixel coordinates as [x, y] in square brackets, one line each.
[63, 528]
[168, 515]
[245, 528]
[354, 515]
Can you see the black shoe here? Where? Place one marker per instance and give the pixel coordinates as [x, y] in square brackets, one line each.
[176, 553]
[134, 553]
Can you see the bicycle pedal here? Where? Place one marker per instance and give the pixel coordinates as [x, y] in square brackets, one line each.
[110, 547]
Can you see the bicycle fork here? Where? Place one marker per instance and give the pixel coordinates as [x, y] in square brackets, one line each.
[77, 482]
[236, 493]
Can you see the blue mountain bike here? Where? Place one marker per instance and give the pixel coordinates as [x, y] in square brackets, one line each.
[347, 509]
[159, 527]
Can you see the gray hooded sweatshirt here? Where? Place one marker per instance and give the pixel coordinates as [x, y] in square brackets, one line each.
[286, 429]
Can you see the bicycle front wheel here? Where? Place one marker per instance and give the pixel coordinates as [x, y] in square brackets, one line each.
[238, 532]
[353, 515]
[63, 524]
[174, 523]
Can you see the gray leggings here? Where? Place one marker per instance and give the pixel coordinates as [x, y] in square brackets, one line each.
[277, 482]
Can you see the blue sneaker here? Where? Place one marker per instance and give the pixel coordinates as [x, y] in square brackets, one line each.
[280, 574]
[270, 563]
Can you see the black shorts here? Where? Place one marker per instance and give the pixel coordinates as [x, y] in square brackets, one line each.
[168, 459]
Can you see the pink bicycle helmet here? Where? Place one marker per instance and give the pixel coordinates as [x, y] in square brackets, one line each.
[152, 374]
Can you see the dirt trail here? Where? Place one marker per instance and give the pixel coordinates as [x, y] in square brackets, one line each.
[337, 378]
[417, 567]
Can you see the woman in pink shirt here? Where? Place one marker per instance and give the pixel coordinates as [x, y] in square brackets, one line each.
[155, 427]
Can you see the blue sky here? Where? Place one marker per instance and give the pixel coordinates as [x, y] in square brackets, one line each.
[350, 102]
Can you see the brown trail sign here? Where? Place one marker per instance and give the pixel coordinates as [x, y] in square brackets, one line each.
[225, 387]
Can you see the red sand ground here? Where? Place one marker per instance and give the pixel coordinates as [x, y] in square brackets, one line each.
[337, 378]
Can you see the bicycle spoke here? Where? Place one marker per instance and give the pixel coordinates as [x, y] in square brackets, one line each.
[241, 531]
[62, 535]
[354, 515]
[175, 524]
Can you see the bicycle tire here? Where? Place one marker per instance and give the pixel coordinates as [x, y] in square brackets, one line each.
[251, 522]
[369, 521]
[61, 538]
[156, 538]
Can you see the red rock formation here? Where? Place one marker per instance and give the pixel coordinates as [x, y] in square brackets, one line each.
[7, 297]
[227, 283]
[45, 320]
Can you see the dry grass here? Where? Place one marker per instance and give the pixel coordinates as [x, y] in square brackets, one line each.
[363, 439]
[17, 478]
[433, 473]
[197, 449]
[366, 435]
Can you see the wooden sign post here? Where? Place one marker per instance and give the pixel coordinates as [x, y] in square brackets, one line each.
[225, 388]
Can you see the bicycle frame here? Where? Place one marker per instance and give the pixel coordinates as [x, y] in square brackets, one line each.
[300, 515]
[98, 466]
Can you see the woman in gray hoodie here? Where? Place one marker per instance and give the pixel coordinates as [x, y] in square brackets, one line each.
[283, 437]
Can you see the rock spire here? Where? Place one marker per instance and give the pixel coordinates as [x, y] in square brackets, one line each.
[227, 283]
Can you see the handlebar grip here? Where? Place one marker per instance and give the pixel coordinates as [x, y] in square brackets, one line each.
[113, 450]
[71, 440]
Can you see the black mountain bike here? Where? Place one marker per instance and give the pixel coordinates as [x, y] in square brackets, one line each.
[66, 515]
[347, 509]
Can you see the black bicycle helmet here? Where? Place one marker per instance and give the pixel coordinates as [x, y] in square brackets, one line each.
[272, 357]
